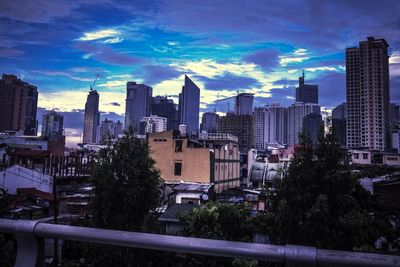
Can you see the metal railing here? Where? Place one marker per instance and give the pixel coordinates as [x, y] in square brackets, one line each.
[30, 242]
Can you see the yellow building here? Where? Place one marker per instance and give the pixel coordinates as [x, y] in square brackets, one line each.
[212, 158]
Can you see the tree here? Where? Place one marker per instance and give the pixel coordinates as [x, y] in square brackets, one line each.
[319, 202]
[126, 187]
[218, 221]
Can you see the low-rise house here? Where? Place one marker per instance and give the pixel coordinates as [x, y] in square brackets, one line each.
[190, 193]
[212, 159]
[171, 217]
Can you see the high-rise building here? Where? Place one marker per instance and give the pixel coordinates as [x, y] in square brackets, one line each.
[297, 112]
[312, 124]
[164, 107]
[244, 104]
[152, 124]
[306, 93]
[367, 94]
[110, 130]
[91, 130]
[138, 103]
[189, 105]
[394, 116]
[270, 125]
[240, 126]
[339, 115]
[52, 125]
[209, 122]
[18, 105]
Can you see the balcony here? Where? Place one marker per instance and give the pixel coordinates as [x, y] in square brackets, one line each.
[31, 234]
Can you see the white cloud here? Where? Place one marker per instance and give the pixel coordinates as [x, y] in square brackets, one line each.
[297, 56]
[322, 68]
[69, 100]
[300, 52]
[113, 40]
[106, 33]
[285, 60]
[394, 58]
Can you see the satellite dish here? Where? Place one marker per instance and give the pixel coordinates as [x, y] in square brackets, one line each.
[204, 197]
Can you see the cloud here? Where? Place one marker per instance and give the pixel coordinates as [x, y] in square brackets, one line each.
[297, 56]
[8, 52]
[100, 34]
[115, 104]
[266, 59]
[107, 55]
[332, 88]
[285, 82]
[62, 73]
[113, 40]
[154, 74]
[229, 82]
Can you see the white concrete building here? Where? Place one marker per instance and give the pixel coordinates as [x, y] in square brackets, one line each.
[17, 176]
[297, 112]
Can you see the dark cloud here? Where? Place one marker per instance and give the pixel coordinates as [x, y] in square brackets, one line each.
[154, 74]
[108, 55]
[305, 23]
[229, 82]
[395, 89]
[72, 119]
[115, 104]
[112, 116]
[285, 82]
[332, 88]
[266, 59]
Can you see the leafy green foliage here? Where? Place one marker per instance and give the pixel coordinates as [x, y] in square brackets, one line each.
[218, 221]
[319, 202]
[126, 188]
[126, 185]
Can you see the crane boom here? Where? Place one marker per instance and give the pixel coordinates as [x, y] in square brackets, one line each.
[94, 83]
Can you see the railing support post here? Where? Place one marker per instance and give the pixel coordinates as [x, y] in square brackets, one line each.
[30, 248]
[300, 256]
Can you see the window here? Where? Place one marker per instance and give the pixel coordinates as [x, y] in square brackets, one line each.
[178, 168]
[178, 145]
[355, 155]
[365, 155]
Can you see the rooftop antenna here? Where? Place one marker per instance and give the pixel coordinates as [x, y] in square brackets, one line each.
[94, 83]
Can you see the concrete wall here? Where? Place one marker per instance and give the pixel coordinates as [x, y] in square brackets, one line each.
[20, 177]
[195, 161]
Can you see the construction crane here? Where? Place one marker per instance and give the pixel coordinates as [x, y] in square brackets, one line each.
[94, 83]
[215, 104]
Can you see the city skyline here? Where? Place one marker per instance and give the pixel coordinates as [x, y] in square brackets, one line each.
[250, 46]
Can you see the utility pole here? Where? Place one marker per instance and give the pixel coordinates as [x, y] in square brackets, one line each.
[55, 210]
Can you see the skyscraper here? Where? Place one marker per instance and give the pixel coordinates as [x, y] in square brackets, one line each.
[244, 104]
[138, 103]
[164, 107]
[312, 124]
[209, 122]
[91, 130]
[109, 130]
[18, 105]
[297, 112]
[270, 125]
[152, 124]
[189, 105]
[367, 94]
[52, 125]
[306, 93]
[339, 116]
[240, 126]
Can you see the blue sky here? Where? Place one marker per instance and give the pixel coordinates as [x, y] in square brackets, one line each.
[224, 46]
